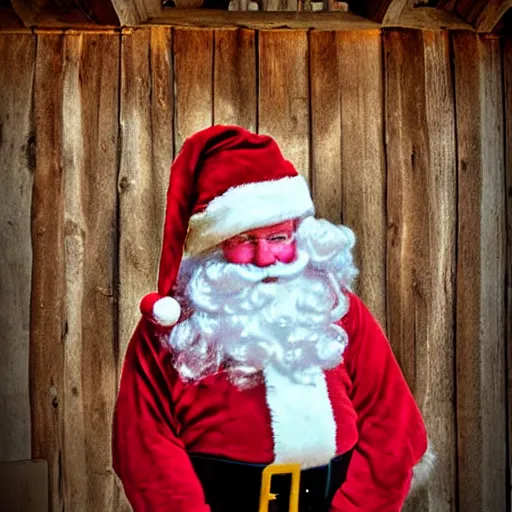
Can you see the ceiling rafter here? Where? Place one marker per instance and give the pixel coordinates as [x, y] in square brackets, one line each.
[386, 11]
[136, 12]
[35, 13]
[491, 14]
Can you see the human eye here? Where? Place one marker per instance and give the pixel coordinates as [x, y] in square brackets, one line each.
[280, 238]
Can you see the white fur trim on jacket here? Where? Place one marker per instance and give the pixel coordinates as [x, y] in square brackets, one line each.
[302, 420]
[248, 207]
[423, 470]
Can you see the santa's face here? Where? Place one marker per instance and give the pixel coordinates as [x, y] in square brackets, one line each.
[263, 246]
[278, 309]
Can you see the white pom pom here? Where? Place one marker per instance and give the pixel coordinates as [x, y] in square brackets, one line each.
[166, 311]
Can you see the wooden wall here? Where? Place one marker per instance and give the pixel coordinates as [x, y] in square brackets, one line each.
[406, 136]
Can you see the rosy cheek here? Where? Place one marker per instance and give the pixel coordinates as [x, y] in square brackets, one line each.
[238, 254]
[285, 253]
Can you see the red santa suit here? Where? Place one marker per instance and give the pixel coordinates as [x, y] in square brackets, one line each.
[363, 406]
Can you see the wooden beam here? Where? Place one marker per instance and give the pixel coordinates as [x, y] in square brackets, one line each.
[385, 11]
[430, 18]
[491, 14]
[9, 20]
[135, 12]
[37, 13]
[422, 18]
[260, 20]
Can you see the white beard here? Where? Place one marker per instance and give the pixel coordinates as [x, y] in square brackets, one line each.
[235, 321]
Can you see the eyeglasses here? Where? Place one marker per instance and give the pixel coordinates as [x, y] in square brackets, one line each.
[249, 240]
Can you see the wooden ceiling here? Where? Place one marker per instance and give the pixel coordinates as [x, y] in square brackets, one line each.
[481, 15]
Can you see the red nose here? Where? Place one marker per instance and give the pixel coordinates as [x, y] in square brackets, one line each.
[263, 255]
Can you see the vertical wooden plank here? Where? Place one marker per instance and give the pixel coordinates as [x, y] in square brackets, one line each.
[481, 405]
[420, 136]
[162, 107]
[507, 87]
[146, 112]
[407, 162]
[47, 329]
[284, 93]
[100, 113]
[16, 179]
[363, 160]
[90, 126]
[435, 384]
[138, 253]
[234, 83]
[74, 472]
[193, 71]
[325, 125]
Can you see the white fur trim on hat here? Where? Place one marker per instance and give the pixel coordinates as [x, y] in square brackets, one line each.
[248, 207]
[166, 311]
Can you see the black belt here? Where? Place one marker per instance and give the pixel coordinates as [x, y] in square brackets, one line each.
[231, 486]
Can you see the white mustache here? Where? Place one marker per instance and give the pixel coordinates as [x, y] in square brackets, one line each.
[254, 274]
[217, 271]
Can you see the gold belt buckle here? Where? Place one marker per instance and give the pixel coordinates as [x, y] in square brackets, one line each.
[280, 469]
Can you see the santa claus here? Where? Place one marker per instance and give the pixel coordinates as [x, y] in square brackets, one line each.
[255, 352]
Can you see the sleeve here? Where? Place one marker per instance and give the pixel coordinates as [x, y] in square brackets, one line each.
[392, 436]
[148, 456]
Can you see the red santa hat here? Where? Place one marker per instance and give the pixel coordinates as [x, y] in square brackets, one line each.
[225, 180]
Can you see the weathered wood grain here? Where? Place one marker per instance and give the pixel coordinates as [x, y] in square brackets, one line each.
[162, 107]
[74, 455]
[507, 87]
[481, 404]
[325, 126]
[363, 160]
[284, 94]
[47, 328]
[421, 196]
[137, 262]
[423, 18]
[193, 67]
[16, 179]
[90, 126]
[136, 12]
[234, 82]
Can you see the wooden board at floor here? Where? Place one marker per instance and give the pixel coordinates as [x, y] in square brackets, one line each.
[24, 486]
[283, 96]
[480, 320]
[193, 67]
[145, 156]
[421, 198]
[16, 179]
[363, 166]
[48, 275]
[89, 155]
[234, 82]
